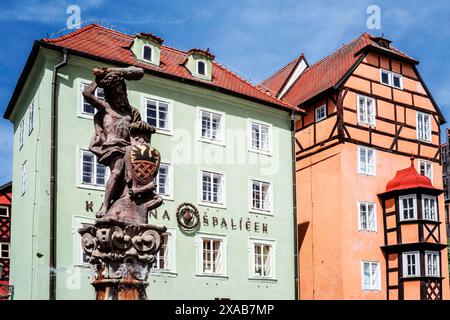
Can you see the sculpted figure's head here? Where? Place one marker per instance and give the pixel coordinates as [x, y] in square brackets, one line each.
[115, 89]
[141, 133]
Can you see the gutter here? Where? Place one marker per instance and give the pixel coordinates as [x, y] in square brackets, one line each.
[294, 205]
[53, 176]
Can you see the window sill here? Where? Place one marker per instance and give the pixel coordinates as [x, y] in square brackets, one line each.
[368, 231]
[85, 116]
[263, 279]
[265, 153]
[262, 212]
[164, 132]
[162, 273]
[213, 142]
[91, 187]
[371, 290]
[213, 205]
[368, 174]
[212, 275]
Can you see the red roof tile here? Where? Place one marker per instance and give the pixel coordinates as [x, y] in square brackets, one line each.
[326, 73]
[112, 45]
[408, 178]
[275, 82]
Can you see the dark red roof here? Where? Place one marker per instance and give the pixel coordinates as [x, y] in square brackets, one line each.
[112, 45]
[326, 73]
[276, 82]
[408, 178]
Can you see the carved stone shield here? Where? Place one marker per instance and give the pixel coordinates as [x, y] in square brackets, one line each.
[143, 170]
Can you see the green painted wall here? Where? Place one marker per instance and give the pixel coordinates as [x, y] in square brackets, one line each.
[75, 131]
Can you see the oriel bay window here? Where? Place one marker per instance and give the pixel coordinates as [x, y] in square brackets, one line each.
[211, 255]
[408, 207]
[92, 172]
[429, 208]
[432, 264]
[411, 264]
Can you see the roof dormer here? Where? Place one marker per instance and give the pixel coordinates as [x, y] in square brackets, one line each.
[147, 48]
[199, 63]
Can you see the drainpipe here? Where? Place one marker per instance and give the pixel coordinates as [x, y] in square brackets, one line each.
[294, 197]
[53, 175]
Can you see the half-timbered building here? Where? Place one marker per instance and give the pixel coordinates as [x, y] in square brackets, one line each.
[368, 112]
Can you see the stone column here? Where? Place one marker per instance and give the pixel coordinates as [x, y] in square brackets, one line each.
[121, 255]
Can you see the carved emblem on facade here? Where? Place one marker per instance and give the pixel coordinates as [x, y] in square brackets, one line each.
[188, 217]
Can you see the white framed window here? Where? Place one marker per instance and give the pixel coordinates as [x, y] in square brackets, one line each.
[165, 180]
[260, 195]
[211, 255]
[147, 52]
[23, 178]
[320, 113]
[408, 207]
[411, 264]
[165, 257]
[21, 133]
[92, 173]
[260, 137]
[392, 79]
[262, 254]
[79, 257]
[426, 169]
[367, 216]
[366, 110]
[86, 108]
[211, 125]
[201, 68]
[423, 126]
[370, 276]
[367, 161]
[4, 211]
[31, 117]
[432, 264]
[158, 113]
[213, 187]
[429, 208]
[4, 250]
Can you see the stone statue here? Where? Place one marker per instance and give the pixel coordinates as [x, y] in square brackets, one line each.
[121, 246]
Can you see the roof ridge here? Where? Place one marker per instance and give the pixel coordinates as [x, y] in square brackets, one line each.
[282, 69]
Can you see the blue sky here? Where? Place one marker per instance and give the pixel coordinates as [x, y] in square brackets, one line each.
[253, 38]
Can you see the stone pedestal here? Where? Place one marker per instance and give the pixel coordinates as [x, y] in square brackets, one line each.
[121, 255]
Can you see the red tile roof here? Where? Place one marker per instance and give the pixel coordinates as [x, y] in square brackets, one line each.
[408, 178]
[276, 82]
[326, 73]
[104, 43]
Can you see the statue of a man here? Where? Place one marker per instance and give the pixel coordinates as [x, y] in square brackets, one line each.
[112, 123]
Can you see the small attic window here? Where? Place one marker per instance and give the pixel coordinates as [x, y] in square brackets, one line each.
[201, 68]
[147, 52]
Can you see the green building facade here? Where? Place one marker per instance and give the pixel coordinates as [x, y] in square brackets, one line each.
[227, 154]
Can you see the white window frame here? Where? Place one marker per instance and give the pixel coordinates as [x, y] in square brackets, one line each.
[7, 211]
[31, 117]
[433, 253]
[374, 173]
[77, 223]
[81, 112]
[170, 186]
[86, 185]
[391, 75]
[23, 176]
[222, 202]
[171, 254]
[369, 121]
[206, 68]
[422, 135]
[250, 122]
[273, 258]
[428, 167]
[199, 249]
[405, 264]
[268, 211]
[318, 111]
[377, 286]
[145, 98]
[21, 133]
[9, 250]
[400, 203]
[367, 204]
[220, 140]
[152, 58]
[433, 198]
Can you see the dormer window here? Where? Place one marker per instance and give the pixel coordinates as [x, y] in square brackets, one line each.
[201, 68]
[147, 52]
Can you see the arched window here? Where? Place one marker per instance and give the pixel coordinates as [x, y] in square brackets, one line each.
[147, 53]
[201, 68]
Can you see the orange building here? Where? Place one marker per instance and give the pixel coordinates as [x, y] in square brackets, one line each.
[368, 111]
